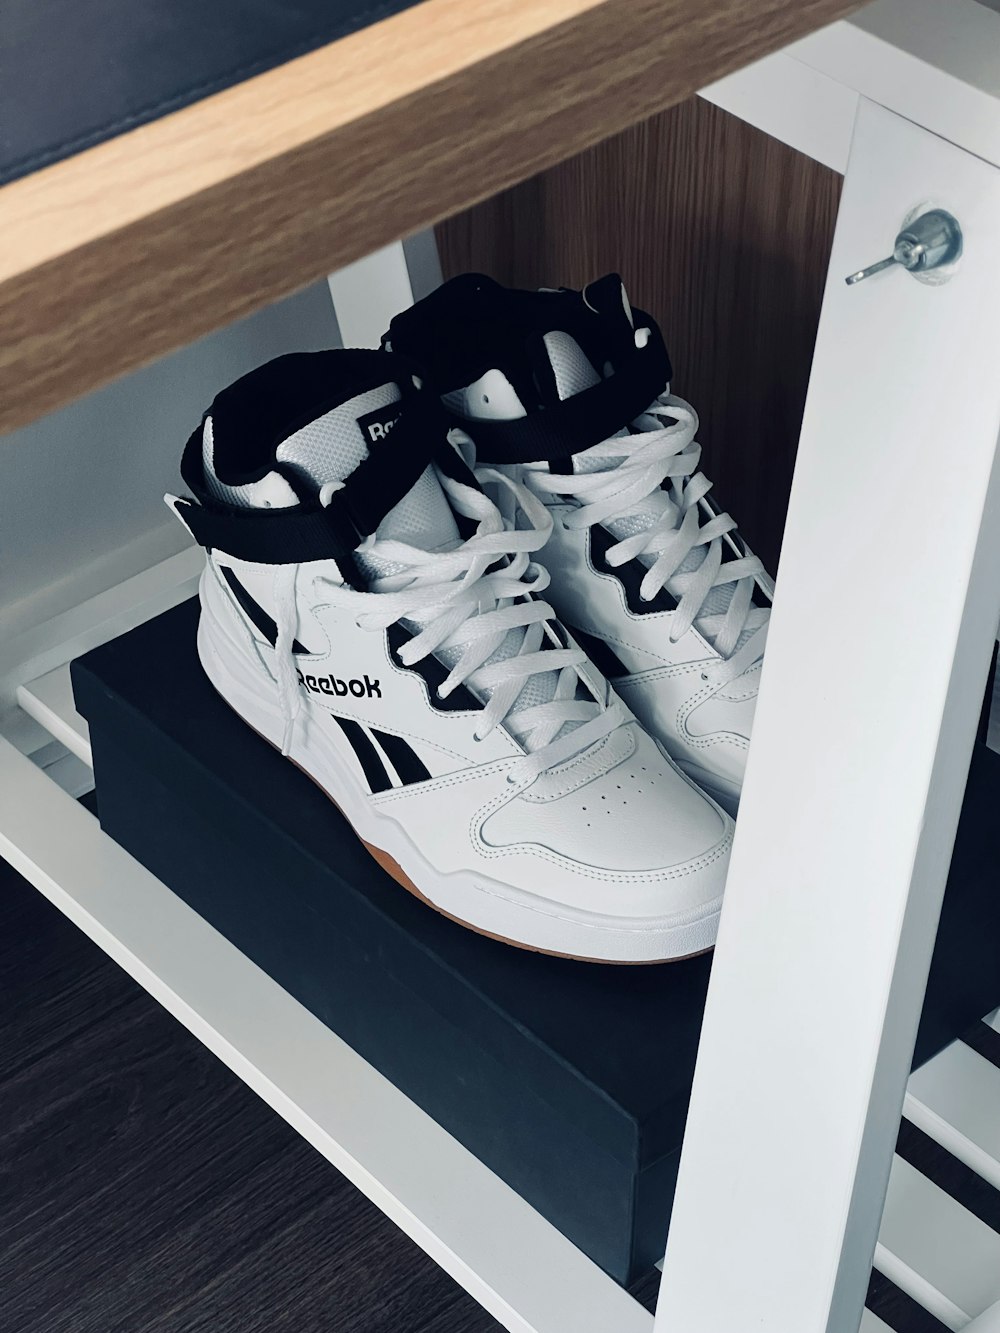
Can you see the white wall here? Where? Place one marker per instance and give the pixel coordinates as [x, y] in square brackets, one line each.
[103, 463]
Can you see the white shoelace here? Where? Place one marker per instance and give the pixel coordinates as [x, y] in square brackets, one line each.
[679, 523]
[468, 599]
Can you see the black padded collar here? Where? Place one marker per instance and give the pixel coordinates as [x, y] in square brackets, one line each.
[559, 430]
[309, 530]
[254, 414]
[470, 325]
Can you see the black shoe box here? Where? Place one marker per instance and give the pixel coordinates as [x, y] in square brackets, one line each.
[570, 1080]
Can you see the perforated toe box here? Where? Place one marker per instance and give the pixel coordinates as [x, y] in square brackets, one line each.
[640, 819]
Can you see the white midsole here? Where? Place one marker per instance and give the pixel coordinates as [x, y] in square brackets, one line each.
[484, 903]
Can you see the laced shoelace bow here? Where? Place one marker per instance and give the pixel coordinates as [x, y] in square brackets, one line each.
[658, 451]
[469, 599]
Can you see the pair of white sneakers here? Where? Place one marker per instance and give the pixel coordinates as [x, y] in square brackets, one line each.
[550, 753]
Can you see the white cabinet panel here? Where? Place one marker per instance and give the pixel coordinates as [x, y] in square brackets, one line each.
[886, 609]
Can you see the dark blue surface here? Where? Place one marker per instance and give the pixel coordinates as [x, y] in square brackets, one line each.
[74, 72]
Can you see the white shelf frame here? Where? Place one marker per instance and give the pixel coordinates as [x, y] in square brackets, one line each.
[846, 830]
[735, 1240]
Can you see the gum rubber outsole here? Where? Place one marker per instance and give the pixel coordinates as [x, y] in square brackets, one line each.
[392, 868]
[396, 871]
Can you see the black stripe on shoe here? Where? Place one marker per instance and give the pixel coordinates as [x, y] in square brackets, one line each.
[629, 575]
[255, 613]
[601, 654]
[404, 759]
[368, 757]
[433, 674]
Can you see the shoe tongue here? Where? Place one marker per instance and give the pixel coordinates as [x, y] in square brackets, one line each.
[550, 365]
[571, 370]
[607, 334]
[330, 447]
[563, 369]
[572, 373]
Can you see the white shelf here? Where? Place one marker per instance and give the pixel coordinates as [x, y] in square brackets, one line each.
[34, 678]
[955, 1098]
[49, 700]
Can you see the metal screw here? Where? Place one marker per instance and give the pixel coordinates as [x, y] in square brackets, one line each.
[932, 239]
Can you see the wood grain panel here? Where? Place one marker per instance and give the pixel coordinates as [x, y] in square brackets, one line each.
[723, 234]
[145, 242]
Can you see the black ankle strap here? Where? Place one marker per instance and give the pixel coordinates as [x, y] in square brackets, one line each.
[309, 530]
[561, 429]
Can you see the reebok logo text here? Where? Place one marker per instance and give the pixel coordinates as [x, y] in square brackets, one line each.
[376, 425]
[332, 685]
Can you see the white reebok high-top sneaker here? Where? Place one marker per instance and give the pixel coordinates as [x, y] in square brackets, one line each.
[365, 608]
[568, 394]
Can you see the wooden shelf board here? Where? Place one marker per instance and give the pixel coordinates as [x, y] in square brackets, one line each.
[149, 240]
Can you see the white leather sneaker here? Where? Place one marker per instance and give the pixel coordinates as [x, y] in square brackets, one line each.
[568, 394]
[365, 608]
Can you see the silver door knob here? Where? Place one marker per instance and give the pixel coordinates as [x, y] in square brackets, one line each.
[932, 239]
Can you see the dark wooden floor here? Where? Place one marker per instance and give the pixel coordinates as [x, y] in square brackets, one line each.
[144, 1189]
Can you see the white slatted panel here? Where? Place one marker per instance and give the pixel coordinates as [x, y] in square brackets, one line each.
[955, 1098]
[936, 1250]
[49, 700]
[870, 1323]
